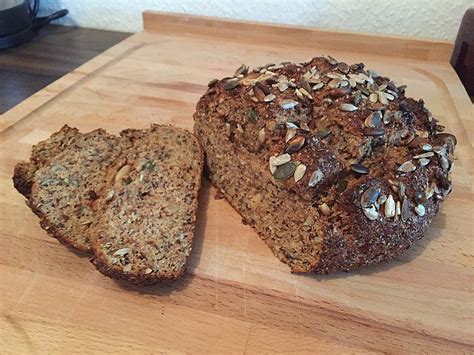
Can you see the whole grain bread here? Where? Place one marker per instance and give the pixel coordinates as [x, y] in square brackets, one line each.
[41, 154]
[64, 177]
[331, 163]
[147, 210]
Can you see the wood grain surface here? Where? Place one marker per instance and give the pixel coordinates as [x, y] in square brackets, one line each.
[236, 296]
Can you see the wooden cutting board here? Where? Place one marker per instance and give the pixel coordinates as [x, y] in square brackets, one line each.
[236, 296]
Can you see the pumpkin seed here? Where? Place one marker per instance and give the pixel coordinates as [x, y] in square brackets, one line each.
[348, 107]
[284, 171]
[369, 197]
[374, 120]
[299, 172]
[231, 84]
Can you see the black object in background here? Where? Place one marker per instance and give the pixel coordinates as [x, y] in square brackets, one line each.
[18, 21]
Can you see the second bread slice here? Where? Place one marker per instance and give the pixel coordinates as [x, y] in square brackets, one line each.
[148, 207]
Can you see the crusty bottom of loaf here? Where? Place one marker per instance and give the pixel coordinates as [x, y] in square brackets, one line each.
[280, 216]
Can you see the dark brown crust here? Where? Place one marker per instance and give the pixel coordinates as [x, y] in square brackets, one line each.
[350, 239]
[140, 278]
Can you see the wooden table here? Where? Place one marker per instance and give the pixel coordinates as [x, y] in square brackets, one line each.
[55, 51]
[236, 296]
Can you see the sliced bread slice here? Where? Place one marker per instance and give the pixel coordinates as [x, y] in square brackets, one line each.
[64, 179]
[41, 154]
[147, 210]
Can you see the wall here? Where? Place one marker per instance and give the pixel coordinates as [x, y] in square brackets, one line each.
[438, 19]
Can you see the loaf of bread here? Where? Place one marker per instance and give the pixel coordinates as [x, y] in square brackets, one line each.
[331, 163]
[147, 210]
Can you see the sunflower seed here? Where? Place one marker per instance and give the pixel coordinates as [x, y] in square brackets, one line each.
[306, 93]
[374, 132]
[318, 86]
[227, 129]
[405, 210]
[110, 195]
[325, 209]
[343, 67]
[348, 107]
[358, 97]
[261, 136]
[122, 252]
[290, 133]
[299, 172]
[424, 155]
[275, 67]
[369, 197]
[426, 147]
[359, 168]
[333, 75]
[212, 83]
[401, 190]
[373, 98]
[269, 98]
[148, 271]
[304, 126]
[341, 185]
[388, 96]
[316, 177]
[339, 92]
[288, 104]
[407, 167]
[382, 99]
[331, 60]
[371, 213]
[291, 125]
[231, 84]
[305, 85]
[381, 200]
[259, 94]
[344, 83]
[242, 70]
[240, 128]
[299, 94]
[390, 207]
[373, 73]
[284, 171]
[424, 161]
[295, 144]
[123, 171]
[444, 162]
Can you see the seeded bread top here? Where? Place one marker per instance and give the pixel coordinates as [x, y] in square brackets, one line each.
[325, 126]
